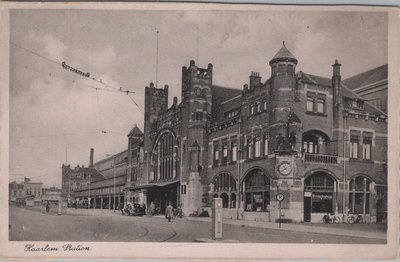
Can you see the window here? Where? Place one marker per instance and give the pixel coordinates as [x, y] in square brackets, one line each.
[216, 153]
[357, 104]
[310, 104]
[251, 109]
[321, 105]
[258, 107]
[164, 162]
[281, 69]
[316, 103]
[224, 152]
[367, 142]
[321, 187]
[290, 69]
[257, 192]
[183, 189]
[233, 200]
[265, 105]
[257, 147]
[225, 200]
[354, 146]
[225, 186]
[359, 195]
[265, 145]
[234, 151]
[198, 116]
[249, 149]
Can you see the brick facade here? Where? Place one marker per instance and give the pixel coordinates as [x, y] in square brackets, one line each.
[307, 137]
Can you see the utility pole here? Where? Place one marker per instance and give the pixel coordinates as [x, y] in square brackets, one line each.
[157, 60]
[114, 180]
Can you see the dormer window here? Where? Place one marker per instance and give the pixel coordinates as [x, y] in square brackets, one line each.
[357, 104]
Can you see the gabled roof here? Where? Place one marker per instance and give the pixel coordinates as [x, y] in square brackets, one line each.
[223, 94]
[366, 78]
[346, 91]
[135, 131]
[315, 80]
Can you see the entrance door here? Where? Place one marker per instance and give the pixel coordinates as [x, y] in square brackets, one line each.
[307, 209]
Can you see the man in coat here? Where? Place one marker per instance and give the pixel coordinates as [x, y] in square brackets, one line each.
[169, 212]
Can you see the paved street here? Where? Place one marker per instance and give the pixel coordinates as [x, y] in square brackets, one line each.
[104, 225]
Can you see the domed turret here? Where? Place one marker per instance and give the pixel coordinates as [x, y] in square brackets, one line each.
[283, 55]
[283, 62]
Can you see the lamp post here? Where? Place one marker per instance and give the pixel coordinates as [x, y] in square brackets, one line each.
[114, 180]
[344, 208]
[89, 199]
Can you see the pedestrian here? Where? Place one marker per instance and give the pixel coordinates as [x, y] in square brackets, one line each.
[47, 207]
[169, 212]
[144, 208]
[152, 208]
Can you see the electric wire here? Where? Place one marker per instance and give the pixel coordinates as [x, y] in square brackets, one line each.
[98, 80]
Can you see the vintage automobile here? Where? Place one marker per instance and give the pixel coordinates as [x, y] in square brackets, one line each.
[133, 210]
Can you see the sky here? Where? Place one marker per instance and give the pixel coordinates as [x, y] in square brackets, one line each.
[56, 115]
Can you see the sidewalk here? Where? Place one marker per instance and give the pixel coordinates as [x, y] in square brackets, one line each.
[308, 228]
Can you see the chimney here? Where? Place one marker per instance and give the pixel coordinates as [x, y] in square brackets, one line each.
[336, 78]
[91, 158]
[255, 79]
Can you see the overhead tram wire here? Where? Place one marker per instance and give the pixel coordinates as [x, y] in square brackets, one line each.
[98, 80]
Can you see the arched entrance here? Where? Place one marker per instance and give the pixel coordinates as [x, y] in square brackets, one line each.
[360, 195]
[225, 188]
[257, 187]
[319, 196]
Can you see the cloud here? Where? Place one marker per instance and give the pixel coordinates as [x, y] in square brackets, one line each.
[53, 46]
[101, 59]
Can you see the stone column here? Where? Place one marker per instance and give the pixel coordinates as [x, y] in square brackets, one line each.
[101, 202]
[194, 192]
[109, 202]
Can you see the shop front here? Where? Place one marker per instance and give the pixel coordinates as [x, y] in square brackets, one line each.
[319, 196]
[257, 196]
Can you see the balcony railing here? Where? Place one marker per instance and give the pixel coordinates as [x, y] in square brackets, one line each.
[319, 158]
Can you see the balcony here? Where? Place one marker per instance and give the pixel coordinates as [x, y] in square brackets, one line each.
[319, 158]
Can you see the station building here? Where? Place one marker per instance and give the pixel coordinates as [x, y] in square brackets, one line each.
[310, 138]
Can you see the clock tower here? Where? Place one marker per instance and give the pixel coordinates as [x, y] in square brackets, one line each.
[287, 182]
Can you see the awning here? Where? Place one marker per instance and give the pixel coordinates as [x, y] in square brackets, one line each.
[157, 184]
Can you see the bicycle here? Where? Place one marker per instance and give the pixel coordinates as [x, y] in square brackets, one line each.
[331, 218]
[355, 218]
[177, 212]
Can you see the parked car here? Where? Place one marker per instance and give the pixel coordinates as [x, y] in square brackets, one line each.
[133, 210]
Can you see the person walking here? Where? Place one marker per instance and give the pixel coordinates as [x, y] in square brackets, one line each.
[144, 208]
[47, 207]
[152, 209]
[169, 212]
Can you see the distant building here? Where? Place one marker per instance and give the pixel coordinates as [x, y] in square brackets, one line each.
[102, 191]
[372, 86]
[15, 191]
[33, 192]
[78, 178]
[52, 195]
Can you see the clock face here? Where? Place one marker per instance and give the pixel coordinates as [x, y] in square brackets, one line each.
[285, 168]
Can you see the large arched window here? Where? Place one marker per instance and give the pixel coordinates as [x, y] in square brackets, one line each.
[359, 196]
[164, 158]
[315, 142]
[225, 200]
[225, 187]
[257, 191]
[321, 187]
